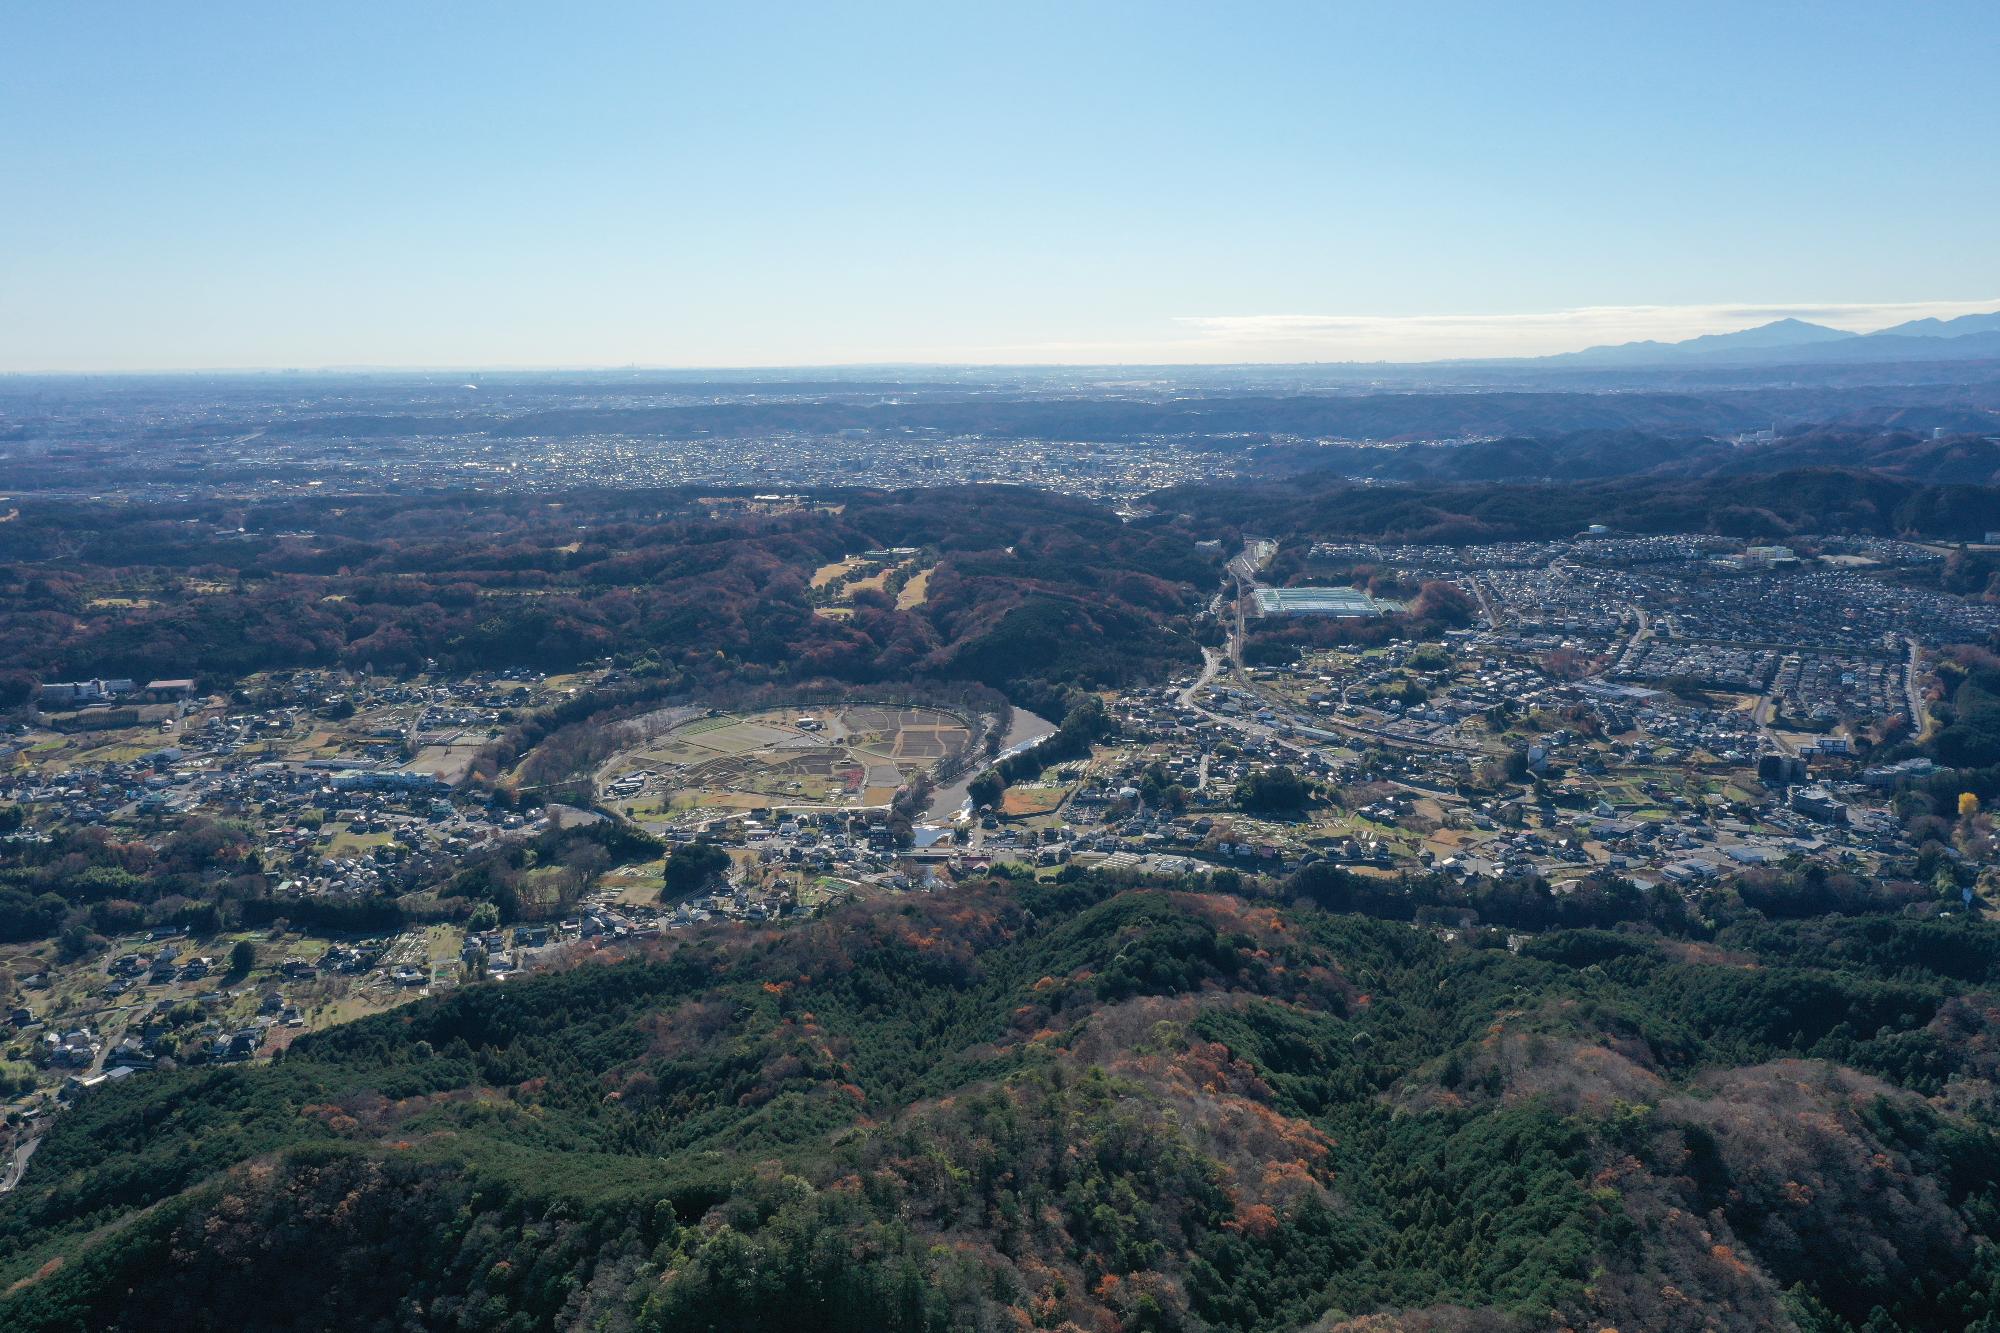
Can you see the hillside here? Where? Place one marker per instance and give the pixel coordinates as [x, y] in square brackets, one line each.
[1030, 592]
[701, 593]
[1079, 1105]
[1323, 505]
[1962, 457]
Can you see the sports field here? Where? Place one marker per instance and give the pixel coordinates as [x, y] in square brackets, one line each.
[844, 756]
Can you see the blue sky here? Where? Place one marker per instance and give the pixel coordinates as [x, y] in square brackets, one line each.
[230, 185]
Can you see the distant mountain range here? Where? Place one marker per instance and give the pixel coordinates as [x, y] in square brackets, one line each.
[1787, 341]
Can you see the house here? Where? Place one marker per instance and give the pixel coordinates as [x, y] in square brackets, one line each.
[1819, 803]
[78, 1084]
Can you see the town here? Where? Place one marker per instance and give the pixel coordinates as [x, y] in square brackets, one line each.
[928, 669]
[1669, 710]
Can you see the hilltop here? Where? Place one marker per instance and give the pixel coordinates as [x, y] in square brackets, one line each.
[1089, 1104]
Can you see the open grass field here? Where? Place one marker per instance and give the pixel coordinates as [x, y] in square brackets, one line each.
[636, 885]
[346, 842]
[1026, 802]
[826, 574]
[915, 592]
[450, 762]
[846, 756]
[842, 579]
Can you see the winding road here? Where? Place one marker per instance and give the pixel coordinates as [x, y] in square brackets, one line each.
[17, 1164]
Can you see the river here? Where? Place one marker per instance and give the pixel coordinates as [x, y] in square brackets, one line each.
[1026, 729]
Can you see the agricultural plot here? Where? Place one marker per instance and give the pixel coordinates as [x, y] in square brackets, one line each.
[843, 757]
[452, 761]
[1029, 802]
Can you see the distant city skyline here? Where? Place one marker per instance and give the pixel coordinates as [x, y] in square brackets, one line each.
[243, 186]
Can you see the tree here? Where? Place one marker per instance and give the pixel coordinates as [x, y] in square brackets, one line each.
[691, 869]
[242, 958]
[484, 917]
[1968, 805]
[987, 788]
[16, 688]
[1274, 790]
[77, 940]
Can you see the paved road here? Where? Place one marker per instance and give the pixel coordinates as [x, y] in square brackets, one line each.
[17, 1165]
[1211, 662]
[1920, 718]
[1236, 635]
[1256, 554]
[1761, 715]
[1486, 607]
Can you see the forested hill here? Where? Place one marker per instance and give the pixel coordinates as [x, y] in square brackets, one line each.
[1967, 458]
[1328, 504]
[1030, 592]
[1027, 590]
[1082, 1105]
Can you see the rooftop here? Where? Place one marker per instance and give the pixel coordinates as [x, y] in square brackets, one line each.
[1351, 603]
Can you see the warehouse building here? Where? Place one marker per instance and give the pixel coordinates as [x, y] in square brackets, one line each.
[1341, 603]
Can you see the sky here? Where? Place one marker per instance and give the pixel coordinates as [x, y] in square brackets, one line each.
[231, 185]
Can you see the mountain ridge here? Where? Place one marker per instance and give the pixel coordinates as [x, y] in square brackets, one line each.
[1941, 328]
[1787, 340]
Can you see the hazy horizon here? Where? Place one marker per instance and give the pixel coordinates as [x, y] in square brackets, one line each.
[247, 188]
[1221, 335]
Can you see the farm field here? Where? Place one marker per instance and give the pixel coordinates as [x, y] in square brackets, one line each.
[1027, 802]
[449, 761]
[848, 756]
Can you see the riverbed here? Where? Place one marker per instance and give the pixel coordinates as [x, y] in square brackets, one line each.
[948, 803]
